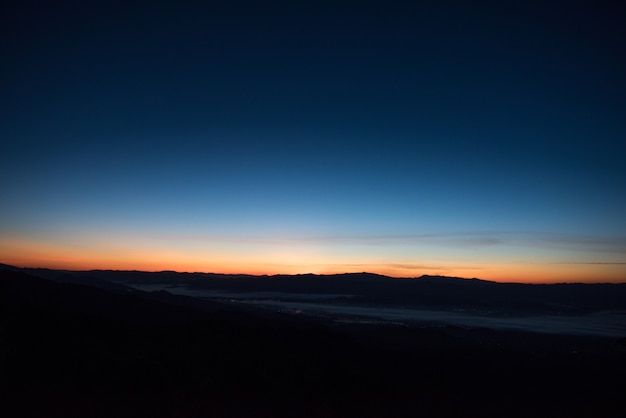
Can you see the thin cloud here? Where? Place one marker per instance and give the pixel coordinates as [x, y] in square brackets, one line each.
[397, 266]
[374, 267]
[582, 243]
[429, 267]
[601, 263]
[389, 239]
[596, 244]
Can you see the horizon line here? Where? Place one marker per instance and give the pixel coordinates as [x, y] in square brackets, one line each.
[301, 274]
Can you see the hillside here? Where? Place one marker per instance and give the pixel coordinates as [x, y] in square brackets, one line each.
[76, 350]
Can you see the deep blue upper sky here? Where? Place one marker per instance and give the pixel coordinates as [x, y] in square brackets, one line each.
[304, 136]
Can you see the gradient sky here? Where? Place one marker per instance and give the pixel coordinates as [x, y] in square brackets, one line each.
[472, 139]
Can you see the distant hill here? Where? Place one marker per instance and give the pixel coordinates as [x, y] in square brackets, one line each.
[426, 291]
[75, 350]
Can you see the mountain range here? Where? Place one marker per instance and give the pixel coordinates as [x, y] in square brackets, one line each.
[90, 344]
[372, 289]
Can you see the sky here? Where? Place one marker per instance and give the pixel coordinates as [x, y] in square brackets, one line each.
[469, 139]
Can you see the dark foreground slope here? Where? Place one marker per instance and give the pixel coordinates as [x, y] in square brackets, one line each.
[72, 350]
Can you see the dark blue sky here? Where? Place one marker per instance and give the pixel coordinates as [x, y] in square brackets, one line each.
[470, 138]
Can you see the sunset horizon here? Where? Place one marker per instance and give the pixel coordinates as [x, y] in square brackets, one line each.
[381, 208]
[404, 139]
[525, 275]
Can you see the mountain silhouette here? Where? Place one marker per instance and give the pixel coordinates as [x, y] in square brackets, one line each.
[86, 350]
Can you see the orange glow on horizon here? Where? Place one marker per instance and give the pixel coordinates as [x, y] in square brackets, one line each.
[509, 275]
[36, 254]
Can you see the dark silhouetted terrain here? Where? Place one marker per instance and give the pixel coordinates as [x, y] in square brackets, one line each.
[86, 344]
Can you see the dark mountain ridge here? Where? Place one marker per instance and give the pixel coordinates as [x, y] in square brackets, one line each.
[439, 292]
[73, 349]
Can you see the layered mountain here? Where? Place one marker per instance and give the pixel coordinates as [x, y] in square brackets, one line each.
[75, 346]
[371, 289]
